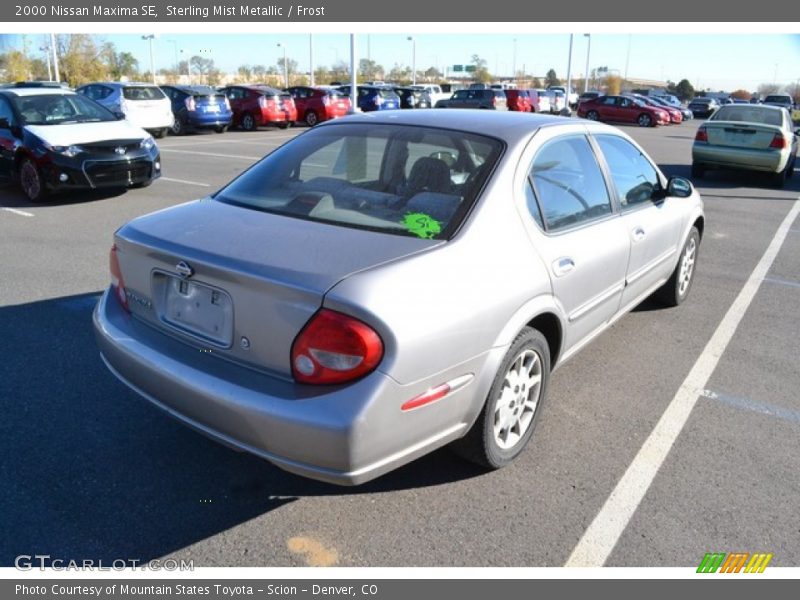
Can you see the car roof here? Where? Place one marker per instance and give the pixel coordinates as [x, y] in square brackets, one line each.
[39, 91]
[509, 126]
[121, 83]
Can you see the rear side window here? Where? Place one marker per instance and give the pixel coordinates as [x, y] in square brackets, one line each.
[568, 183]
[635, 178]
[412, 181]
[142, 93]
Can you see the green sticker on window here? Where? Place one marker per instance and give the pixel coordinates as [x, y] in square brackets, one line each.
[422, 225]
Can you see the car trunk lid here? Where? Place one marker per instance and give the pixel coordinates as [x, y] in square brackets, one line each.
[737, 134]
[239, 283]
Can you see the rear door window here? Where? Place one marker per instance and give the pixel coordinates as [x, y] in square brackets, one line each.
[568, 183]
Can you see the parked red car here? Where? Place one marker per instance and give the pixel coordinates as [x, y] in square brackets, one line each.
[518, 100]
[675, 115]
[315, 105]
[623, 109]
[256, 105]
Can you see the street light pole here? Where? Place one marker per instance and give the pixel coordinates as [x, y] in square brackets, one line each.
[413, 59]
[353, 76]
[514, 62]
[285, 68]
[150, 38]
[569, 75]
[55, 56]
[311, 58]
[588, 51]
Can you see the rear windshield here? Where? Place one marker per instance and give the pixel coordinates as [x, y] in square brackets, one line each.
[142, 93]
[386, 93]
[201, 90]
[779, 99]
[749, 114]
[401, 180]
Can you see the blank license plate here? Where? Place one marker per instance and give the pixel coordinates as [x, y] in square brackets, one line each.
[199, 309]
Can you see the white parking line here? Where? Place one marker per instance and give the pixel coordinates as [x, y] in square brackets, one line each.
[16, 211]
[162, 178]
[599, 539]
[243, 157]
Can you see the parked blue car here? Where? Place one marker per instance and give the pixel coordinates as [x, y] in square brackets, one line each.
[374, 97]
[198, 107]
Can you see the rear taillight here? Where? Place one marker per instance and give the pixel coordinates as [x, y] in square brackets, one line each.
[494, 101]
[701, 136]
[191, 105]
[326, 100]
[778, 142]
[378, 100]
[117, 283]
[262, 102]
[334, 348]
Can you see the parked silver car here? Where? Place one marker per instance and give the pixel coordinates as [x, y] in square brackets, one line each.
[386, 284]
[747, 137]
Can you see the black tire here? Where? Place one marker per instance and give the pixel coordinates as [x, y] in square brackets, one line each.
[677, 288]
[791, 167]
[220, 128]
[160, 133]
[480, 445]
[30, 181]
[593, 115]
[697, 171]
[177, 127]
[311, 118]
[645, 120]
[285, 125]
[778, 180]
[248, 122]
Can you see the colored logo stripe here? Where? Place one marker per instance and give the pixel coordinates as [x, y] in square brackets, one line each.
[711, 562]
[734, 562]
[758, 562]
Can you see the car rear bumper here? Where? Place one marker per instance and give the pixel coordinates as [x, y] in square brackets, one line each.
[151, 122]
[340, 434]
[770, 161]
[207, 120]
[276, 116]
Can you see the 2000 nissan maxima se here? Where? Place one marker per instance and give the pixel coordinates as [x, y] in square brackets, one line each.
[381, 286]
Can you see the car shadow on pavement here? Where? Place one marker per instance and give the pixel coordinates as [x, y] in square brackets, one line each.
[14, 198]
[729, 179]
[92, 471]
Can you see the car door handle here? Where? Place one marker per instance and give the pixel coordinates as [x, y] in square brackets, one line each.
[639, 234]
[562, 266]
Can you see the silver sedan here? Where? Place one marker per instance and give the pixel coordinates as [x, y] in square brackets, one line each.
[387, 284]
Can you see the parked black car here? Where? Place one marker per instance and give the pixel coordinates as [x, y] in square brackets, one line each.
[476, 98]
[412, 98]
[702, 108]
[53, 139]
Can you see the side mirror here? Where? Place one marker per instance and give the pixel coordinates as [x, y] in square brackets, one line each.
[679, 187]
[4, 124]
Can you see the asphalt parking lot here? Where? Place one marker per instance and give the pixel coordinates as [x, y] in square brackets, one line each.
[92, 471]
